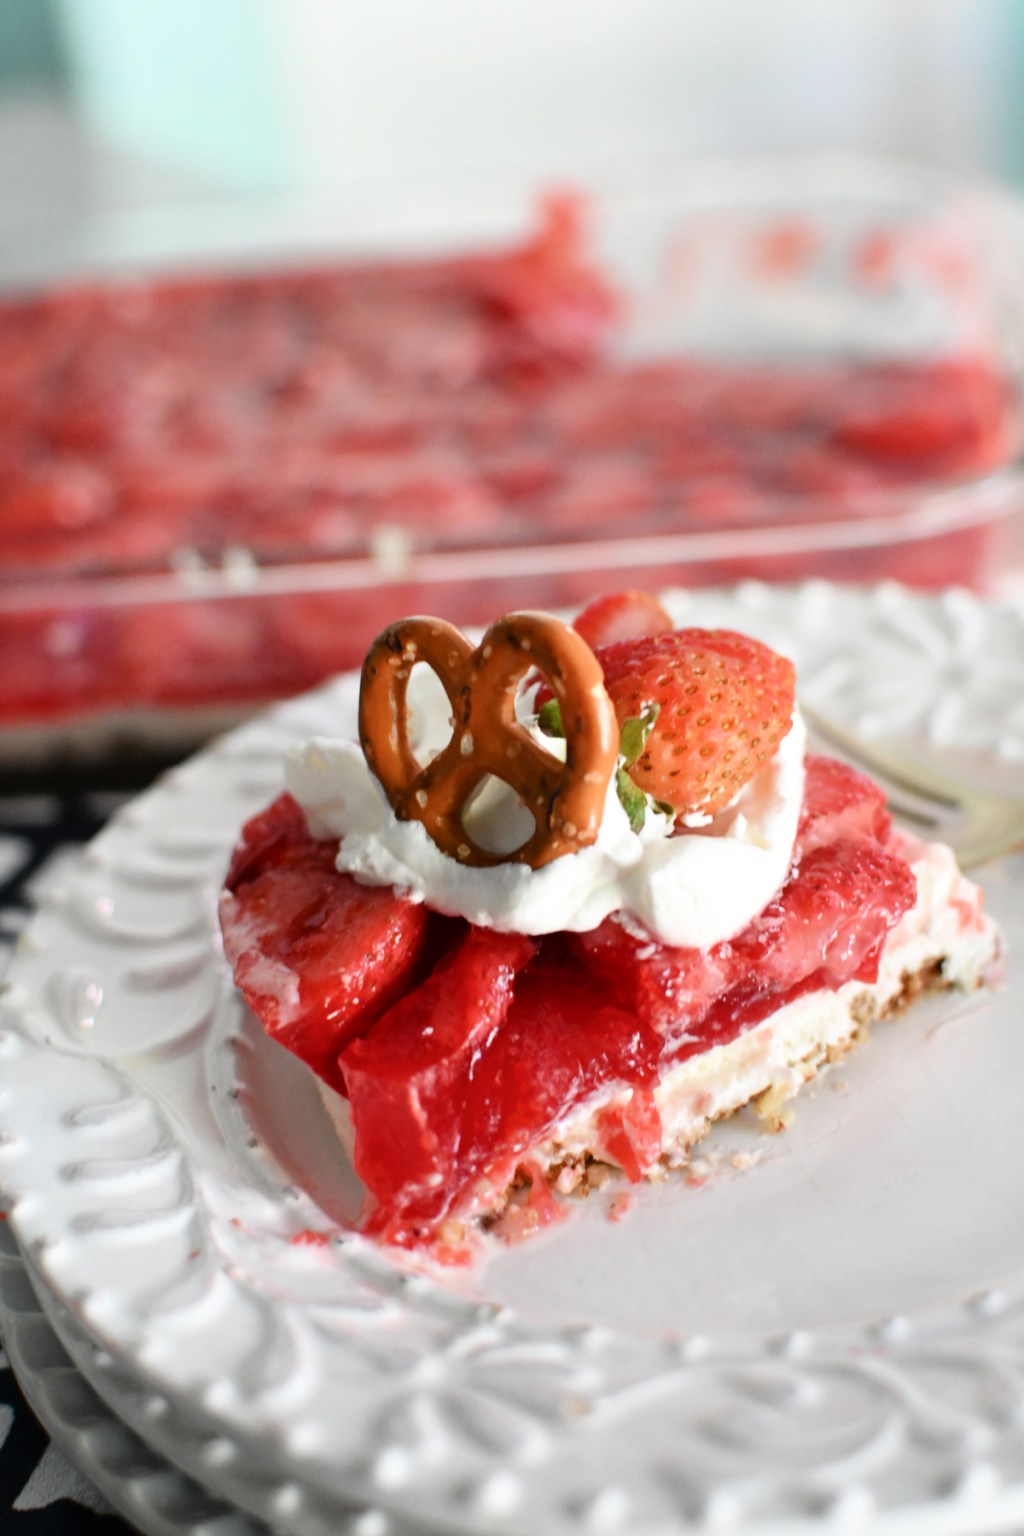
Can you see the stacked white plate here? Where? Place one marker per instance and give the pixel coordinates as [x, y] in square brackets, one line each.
[141, 1485]
[832, 1337]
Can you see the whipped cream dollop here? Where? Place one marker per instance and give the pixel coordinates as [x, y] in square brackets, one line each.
[692, 887]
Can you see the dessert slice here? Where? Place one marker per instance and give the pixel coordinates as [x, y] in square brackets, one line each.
[501, 1028]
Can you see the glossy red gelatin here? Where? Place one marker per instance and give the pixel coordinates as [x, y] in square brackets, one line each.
[496, 1038]
[315, 956]
[470, 404]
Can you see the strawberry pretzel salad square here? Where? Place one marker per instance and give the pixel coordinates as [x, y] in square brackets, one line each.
[557, 902]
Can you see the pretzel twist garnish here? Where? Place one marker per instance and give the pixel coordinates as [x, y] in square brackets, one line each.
[566, 799]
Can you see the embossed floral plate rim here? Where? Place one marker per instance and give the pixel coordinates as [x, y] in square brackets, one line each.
[143, 1488]
[165, 1237]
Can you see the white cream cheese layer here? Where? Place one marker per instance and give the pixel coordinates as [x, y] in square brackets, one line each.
[691, 888]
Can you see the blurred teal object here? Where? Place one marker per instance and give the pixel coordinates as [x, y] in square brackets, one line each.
[30, 43]
[1006, 88]
[189, 85]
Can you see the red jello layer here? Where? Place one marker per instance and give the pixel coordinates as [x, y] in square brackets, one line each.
[473, 403]
[460, 1048]
[285, 412]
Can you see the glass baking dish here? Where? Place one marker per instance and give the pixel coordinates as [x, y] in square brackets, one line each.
[765, 369]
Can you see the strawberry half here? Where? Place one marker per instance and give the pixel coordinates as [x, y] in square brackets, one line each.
[626, 615]
[724, 703]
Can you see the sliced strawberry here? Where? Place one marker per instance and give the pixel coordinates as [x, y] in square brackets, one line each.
[269, 838]
[906, 419]
[839, 802]
[826, 927]
[411, 1081]
[566, 1038]
[724, 703]
[630, 615]
[554, 305]
[316, 956]
[663, 986]
[829, 922]
[465, 1076]
[631, 1134]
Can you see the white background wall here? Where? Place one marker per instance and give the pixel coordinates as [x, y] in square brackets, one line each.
[340, 94]
[555, 86]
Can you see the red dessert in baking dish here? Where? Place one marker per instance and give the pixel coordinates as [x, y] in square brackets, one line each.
[474, 1060]
[385, 411]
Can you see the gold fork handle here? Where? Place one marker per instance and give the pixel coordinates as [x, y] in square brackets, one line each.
[988, 839]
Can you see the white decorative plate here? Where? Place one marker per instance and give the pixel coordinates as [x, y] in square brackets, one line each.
[832, 1337]
[150, 1493]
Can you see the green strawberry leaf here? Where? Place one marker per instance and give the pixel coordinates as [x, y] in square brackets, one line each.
[632, 741]
[634, 734]
[550, 718]
[634, 801]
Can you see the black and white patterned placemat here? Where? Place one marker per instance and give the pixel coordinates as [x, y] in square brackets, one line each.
[41, 1493]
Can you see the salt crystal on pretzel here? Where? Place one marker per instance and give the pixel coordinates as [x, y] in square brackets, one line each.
[566, 799]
